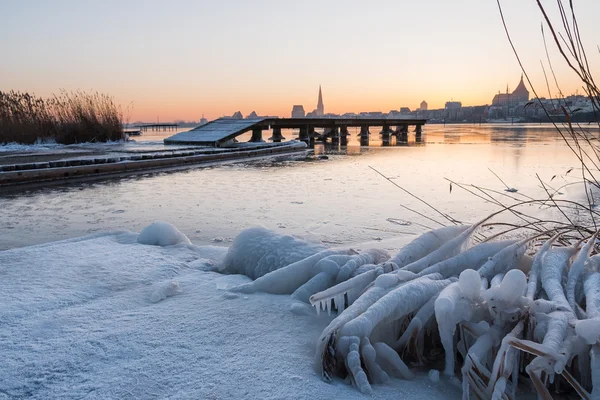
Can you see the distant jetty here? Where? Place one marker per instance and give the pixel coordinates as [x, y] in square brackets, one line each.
[158, 127]
[223, 131]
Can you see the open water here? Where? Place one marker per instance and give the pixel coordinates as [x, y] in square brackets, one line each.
[339, 200]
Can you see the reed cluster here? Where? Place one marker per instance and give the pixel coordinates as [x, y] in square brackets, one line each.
[71, 117]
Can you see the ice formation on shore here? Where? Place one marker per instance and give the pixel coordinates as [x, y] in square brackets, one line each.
[161, 233]
[441, 291]
[496, 311]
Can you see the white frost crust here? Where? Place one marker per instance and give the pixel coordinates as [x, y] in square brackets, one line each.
[258, 251]
[162, 234]
[426, 243]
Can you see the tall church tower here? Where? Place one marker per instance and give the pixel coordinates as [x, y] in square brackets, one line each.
[320, 106]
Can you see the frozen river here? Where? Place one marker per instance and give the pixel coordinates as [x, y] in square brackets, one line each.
[337, 200]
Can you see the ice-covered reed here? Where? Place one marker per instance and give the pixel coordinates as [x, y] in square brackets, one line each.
[479, 307]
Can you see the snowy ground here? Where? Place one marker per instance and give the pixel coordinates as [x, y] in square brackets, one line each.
[105, 317]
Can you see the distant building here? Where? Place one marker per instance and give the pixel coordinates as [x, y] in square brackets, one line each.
[423, 106]
[519, 95]
[453, 105]
[203, 121]
[320, 106]
[371, 114]
[237, 115]
[404, 110]
[298, 111]
[252, 115]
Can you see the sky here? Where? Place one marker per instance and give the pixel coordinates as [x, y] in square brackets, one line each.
[181, 59]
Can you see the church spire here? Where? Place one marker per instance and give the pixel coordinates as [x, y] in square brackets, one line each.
[320, 106]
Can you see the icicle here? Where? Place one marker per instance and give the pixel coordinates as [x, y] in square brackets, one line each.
[351, 287]
[534, 274]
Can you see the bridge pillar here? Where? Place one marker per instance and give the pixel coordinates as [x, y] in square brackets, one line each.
[323, 137]
[385, 135]
[335, 135]
[344, 135]
[303, 135]
[402, 132]
[418, 132]
[364, 135]
[277, 136]
[256, 135]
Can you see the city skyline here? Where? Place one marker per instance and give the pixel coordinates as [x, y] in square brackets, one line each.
[204, 57]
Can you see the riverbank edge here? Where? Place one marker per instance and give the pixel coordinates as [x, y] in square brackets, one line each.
[13, 178]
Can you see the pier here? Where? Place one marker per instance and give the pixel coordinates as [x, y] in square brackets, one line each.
[223, 131]
[158, 127]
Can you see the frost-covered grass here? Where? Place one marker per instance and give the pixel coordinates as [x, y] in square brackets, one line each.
[104, 316]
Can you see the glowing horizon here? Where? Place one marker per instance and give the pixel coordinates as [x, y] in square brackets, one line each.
[206, 58]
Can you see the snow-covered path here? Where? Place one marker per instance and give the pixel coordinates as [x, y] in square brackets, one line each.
[105, 317]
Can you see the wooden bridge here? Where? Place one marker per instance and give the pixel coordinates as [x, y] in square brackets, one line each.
[223, 131]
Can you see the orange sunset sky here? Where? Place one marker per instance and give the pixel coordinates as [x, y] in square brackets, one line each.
[182, 59]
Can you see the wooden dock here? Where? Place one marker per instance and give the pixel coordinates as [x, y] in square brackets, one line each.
[223, 131]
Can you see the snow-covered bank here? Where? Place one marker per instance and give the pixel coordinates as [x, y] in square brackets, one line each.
[104, 316]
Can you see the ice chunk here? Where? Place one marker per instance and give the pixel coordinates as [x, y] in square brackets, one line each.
[513, 286]
[589, 330]
[258, 251]
[165, 290]
[434, 376]
[470, 284]
[508, 293]
[161, 233]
